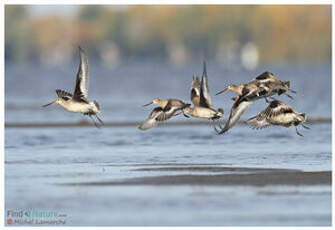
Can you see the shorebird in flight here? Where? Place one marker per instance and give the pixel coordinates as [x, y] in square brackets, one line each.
[263, 86]
[165, 110]
[278, 113]
[78, 102]
[201, 99]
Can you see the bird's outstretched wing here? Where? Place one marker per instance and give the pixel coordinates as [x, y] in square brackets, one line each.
[259, 121]
[81, 88]
[158, 115]
[266, 77]
[151, 121]
[63, 94]
[205, 97]
[277, 107]
[195, 91]
[236, 112]
[254, 91]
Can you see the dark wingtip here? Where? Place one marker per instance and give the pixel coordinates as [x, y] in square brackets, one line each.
[81, 50]
[220, 132]
[204, 74]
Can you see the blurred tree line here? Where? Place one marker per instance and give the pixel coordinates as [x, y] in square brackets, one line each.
[281, 33]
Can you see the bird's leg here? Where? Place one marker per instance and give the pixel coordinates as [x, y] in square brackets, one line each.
[296, 129]
[181, 112]
[99, 119]
[289, 96]
[306, 127]
[266, 100]
[96, 124]
[185, 114]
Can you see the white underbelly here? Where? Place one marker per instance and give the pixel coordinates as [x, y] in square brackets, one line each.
[203, 112]
[282, 119]
[78, 107]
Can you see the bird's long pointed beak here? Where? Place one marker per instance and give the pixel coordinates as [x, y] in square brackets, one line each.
[150, 103]
[292, 91]
[222, 91]
[49, 104]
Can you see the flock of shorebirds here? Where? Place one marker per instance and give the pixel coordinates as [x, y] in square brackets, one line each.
[264, 86]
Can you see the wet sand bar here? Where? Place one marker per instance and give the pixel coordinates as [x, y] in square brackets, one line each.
[271, 177]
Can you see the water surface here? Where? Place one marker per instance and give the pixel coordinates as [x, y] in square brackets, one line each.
[97, 176]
